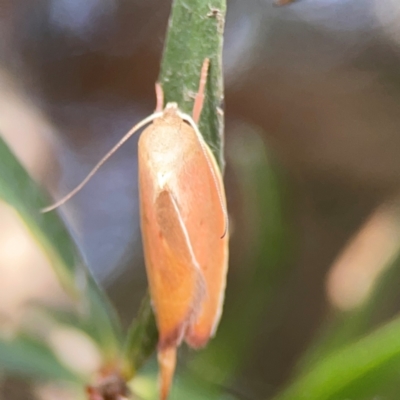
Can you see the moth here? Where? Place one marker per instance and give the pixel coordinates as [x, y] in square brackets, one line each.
[184, 227]
[283, 2]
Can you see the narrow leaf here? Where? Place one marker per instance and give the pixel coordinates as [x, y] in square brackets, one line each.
[196, 32]
[28, 357]
[360, 360]
[22, 193]
[141, 338]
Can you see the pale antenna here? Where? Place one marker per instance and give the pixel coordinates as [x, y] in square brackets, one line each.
[197, 108]
[138, 126]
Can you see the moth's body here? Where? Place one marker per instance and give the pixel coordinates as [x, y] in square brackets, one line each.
[182, 222]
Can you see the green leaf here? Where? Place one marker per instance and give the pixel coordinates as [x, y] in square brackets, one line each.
[195, 32]
[28, 357]
[19, 191]
[141, 339]
[344, 327]
[334, 377]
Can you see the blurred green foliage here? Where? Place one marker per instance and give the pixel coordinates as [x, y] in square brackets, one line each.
[29, 357]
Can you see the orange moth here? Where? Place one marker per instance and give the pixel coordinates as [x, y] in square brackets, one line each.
[184, 227]
[283, 2]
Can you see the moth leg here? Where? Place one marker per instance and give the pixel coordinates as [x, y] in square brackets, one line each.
[199, 99]
[167, 362]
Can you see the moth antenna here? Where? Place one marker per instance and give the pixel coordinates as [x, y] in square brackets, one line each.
[203, 145]
[138, 126]
[159, 97]
[199, 100]
[197, 108]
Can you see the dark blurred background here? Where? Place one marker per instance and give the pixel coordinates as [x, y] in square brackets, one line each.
[312, 107]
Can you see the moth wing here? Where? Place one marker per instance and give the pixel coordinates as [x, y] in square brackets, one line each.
[176, 283]
[207, 223]
[175, 280]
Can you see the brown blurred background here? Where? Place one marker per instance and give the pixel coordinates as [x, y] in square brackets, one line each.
[318, 81]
